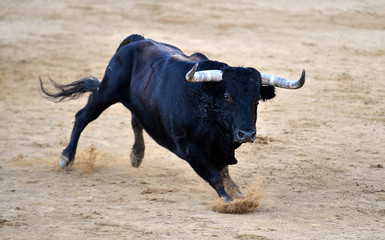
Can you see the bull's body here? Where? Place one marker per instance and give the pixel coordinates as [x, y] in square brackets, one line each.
[177, 114]
[202, 123]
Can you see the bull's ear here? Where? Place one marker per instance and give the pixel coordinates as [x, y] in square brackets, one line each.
[267, 92]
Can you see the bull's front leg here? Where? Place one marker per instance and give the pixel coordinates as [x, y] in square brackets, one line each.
[205, 169]
[231, 187]
[137, 152]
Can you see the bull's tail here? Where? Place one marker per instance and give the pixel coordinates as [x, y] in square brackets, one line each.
[70, 91]
[130, 39]
[78, 88]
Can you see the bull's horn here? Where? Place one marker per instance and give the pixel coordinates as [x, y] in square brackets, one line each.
[272, 80]
[203, 76]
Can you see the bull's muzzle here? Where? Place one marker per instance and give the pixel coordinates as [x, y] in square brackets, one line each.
[245, 136]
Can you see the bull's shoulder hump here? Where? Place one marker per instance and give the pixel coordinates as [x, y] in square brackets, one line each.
[152, 44]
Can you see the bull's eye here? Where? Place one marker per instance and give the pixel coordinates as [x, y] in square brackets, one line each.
[227, 97]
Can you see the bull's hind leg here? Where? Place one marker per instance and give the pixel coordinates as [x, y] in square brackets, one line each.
[137, 152]
[231, 187]
[97, 103]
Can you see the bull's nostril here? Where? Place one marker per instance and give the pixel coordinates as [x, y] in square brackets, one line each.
[253, 136]
[241, 135]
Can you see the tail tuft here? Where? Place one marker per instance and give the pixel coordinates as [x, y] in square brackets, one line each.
[70, 91]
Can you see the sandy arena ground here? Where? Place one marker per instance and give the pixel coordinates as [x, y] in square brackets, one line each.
[319, 157]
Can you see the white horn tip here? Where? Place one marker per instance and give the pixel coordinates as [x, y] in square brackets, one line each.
[190, 75]
[301, 81]
[268, 79]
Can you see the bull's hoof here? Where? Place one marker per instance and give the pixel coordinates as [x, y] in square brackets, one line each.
[65, 163]
[135, 160]
[235, 191]
[226, 199]
[238, 193]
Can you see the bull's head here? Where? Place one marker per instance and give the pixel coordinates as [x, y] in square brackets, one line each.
[243, 89]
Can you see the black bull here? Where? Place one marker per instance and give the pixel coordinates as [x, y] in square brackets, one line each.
[201, 122]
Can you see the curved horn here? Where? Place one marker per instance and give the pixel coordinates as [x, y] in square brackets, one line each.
[203, 76]
[268, 79]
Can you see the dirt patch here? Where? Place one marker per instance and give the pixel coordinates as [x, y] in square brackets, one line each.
[319, 152]
[249, 203]
[87, 159]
